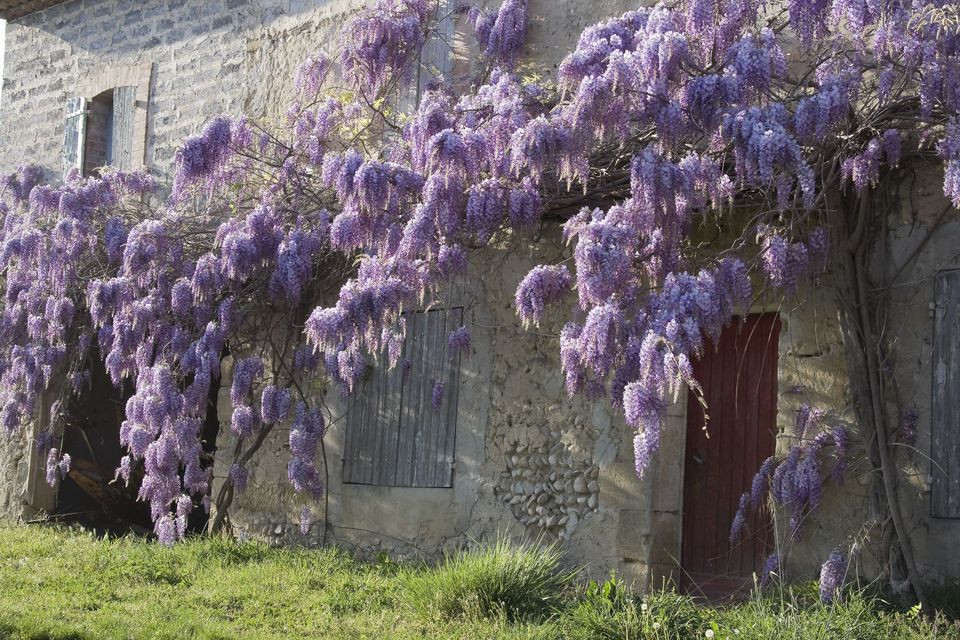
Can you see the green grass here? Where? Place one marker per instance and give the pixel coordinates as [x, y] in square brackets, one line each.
[66, 584]
[523, 582]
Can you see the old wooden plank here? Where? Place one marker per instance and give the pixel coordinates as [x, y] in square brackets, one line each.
[356, 428]
[411, 400]
[421, 457]
[437, 417]
[391, 417]
[358, 464]
[424, 416]
[121, 152]
[374, 429]
[945, 412]
[444, 471]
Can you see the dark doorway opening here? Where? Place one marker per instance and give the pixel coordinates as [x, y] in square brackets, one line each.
[200, 517]
[739, 379]
[92, 494]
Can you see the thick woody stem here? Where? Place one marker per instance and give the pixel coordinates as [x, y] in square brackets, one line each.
[863, 359]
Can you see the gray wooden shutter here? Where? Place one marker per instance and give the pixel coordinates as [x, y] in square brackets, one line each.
[121, 152]
[394, 436]
[945, 414]
[426, 442]
[371, 438]
[436, 58]
[74, 134]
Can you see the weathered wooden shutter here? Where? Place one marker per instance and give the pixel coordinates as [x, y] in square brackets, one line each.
[436, 58]
[370, 451]
[121, 151]
[395, 437]
[945, 414]
[426, 434]
[74, 134]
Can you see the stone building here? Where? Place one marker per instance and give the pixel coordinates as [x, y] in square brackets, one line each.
[90, 82]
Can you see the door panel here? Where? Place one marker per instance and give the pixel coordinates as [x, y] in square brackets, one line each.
[739, 379]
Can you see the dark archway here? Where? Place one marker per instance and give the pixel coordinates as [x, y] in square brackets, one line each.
[91, 494]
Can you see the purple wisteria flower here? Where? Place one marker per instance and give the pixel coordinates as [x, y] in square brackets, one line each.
[502, 35]
[832, 574]
[58, 466]
[544, 285]
[305, 521]
[437, 392]
[245, 371]
[458, 342]
[771, 568]
[239, 476]
[274, 404]
[306, 432]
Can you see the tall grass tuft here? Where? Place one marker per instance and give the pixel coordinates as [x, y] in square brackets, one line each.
[611, 611]
[516, 582]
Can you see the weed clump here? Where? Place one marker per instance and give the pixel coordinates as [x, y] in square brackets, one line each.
[517, 582]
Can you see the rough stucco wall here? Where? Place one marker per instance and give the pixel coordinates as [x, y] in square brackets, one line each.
[14, 473]
[909, 330]
[813, 370]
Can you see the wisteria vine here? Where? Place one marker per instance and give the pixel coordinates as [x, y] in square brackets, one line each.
[659, 121]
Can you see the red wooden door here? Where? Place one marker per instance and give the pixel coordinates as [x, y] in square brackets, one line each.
[739, 379]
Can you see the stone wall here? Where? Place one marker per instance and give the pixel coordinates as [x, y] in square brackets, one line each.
[909, 333]
[530, 461]
[207, 58]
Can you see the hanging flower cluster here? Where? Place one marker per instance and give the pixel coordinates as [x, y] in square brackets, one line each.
[501, 35]
[796, 482]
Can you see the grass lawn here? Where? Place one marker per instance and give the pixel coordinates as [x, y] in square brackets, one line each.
[61, 584]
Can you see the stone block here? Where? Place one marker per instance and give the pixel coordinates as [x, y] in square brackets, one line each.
[665, 531]
[633, 534]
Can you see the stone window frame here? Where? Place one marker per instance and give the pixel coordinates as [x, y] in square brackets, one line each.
[114, 76]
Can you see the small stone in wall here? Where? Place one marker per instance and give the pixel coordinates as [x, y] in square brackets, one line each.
[550, 486]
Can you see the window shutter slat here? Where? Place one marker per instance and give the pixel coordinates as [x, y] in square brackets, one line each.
[945, 414]
[124, 101]
[443, 474]
[413, 405]
[74, 134]
[394, 435]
